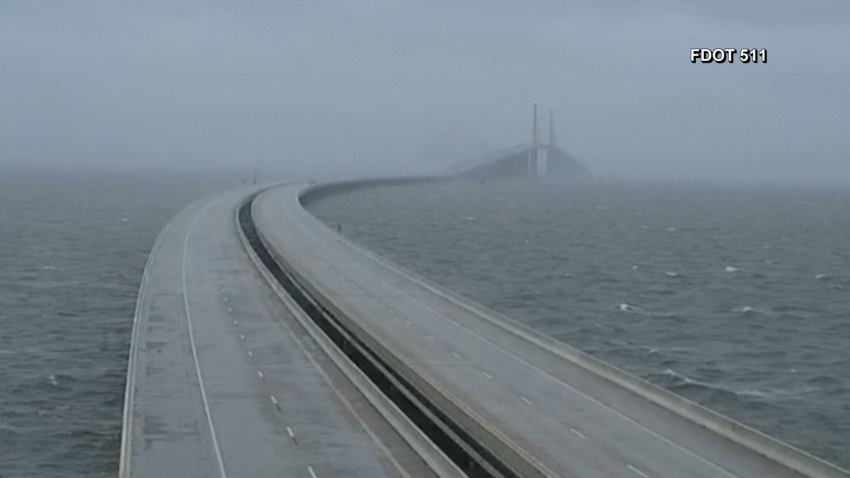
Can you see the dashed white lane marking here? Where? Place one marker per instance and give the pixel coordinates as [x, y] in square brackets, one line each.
[251, 354]
[644, 475]
[229, 309]
[527, 401]
[236, 323]
[225, 298]
[312, 473]
[457, 355]
[430, 337]
[242, 337]
[290, 433]
[487, 375]
[274, 401]
[260, 374]
[578, 434]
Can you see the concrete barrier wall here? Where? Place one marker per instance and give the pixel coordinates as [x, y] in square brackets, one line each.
[493, 440]
[319, 191]
[746, 436]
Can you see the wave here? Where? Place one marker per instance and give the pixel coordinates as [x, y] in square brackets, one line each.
[633, 309]
[747, 310]
[678, 381]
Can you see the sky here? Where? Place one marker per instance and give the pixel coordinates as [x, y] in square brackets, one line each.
[367, 85]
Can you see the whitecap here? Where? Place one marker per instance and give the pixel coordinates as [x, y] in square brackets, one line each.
[820, 276]
[633, 309]
[124, 219]
[752, 393]
[671, 229]
[672, 274]
[731, 269]
[53, 381]
[672, 373]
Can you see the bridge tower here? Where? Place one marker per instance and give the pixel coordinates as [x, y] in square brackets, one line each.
[535, 146]
[552, 128]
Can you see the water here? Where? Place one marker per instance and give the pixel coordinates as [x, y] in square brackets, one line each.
[736, 297]
[767, 342]
[72, 251]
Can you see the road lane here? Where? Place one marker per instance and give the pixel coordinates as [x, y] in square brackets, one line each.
[571, 420]
[222, 385]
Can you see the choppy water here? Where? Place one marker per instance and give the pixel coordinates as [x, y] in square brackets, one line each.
[72, 251]
[736, 297]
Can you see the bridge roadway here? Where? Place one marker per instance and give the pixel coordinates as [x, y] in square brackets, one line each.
[574, 423]
[222, 381]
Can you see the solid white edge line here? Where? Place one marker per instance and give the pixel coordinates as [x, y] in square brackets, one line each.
[204, 399]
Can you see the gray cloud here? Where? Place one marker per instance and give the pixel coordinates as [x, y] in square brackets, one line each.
[383, 84]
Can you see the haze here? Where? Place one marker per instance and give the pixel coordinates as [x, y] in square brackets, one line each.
[380, 85]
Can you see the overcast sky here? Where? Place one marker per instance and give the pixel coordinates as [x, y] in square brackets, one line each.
[345, 84]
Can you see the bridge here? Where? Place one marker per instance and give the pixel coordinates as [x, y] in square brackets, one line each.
[267, 344]
[534, 159]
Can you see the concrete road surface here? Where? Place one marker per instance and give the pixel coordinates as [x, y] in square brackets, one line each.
[575, 423]
[222, 383]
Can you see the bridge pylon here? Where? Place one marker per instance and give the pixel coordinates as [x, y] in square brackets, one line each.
[535, 147]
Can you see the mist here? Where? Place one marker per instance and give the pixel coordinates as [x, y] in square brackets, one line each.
[381, 86]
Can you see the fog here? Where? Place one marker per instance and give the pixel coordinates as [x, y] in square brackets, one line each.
[401, 86]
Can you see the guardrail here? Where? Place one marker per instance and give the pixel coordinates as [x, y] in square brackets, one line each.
[744, 435]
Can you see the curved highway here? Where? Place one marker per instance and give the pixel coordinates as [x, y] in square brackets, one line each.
[231, 374]
[222, 380]
[572, 422]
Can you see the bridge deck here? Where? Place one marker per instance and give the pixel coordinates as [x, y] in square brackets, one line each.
[575, 423]
[219, 385]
